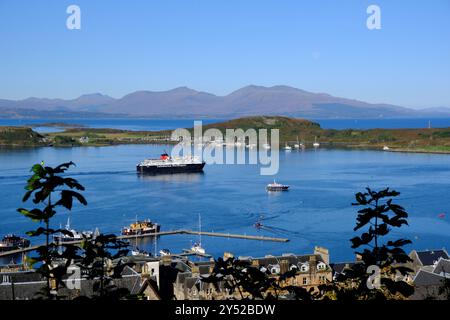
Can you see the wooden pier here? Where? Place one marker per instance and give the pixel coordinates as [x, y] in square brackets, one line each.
[166, 233]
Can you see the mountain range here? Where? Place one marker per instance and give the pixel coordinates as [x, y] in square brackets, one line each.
[186, 102]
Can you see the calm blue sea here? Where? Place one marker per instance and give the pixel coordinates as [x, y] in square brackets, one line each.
[231, 198]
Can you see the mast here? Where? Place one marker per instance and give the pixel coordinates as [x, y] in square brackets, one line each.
[200, 229]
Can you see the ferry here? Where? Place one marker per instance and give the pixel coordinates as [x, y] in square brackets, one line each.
[12, 242]
[167, 165]
[141, 227]
[277, 187]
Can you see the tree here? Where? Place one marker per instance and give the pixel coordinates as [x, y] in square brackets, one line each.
[101, 261]
[51, 190]
[385, 261]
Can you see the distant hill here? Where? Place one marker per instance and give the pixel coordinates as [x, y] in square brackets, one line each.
[247, 101]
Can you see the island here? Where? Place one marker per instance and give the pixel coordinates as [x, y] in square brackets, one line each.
[292, 131]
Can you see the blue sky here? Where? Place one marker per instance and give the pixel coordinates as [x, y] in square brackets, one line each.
[221, 45]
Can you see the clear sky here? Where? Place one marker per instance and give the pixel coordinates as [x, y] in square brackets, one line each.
[221, 45]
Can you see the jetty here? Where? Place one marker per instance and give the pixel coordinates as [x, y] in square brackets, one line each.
[165, 233]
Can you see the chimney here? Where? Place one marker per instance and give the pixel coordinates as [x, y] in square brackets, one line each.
[284, 266]
[166, 260]
[227, 255]
[323, 252]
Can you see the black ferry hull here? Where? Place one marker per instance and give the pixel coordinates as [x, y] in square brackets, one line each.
[168, 169]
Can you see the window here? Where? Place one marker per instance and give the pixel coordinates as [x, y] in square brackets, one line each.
[305, 281]
[321, 266]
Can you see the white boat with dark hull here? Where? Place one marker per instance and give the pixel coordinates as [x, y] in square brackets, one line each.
[167, 164]
[69, 234]
[13, 242]
[275, 187]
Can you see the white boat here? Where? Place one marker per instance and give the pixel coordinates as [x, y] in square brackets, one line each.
[266, 146]
[74, 235]
[164, 252]
[277, 187]
[316, 144]
[138, 252]
[386, 148]
[197, 247]
[297, 145]
[287, 148]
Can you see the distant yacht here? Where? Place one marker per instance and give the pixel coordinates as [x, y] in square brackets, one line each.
[277, 187]
[287, 147]
[316, 144]
[386, 148]
[297, 145]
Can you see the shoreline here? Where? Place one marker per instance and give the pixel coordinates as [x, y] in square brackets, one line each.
[347, 148]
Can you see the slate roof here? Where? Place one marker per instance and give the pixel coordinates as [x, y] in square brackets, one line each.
[27, 284]
[429, 257]
[292, 259]
[340, 266]
[427, 278]
[442, 267]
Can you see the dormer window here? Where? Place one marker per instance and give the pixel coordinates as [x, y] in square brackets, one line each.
[321, 266]
[274, 269]
[304, 267]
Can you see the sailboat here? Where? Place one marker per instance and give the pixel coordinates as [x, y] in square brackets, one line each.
[136, 251]
[197, 247]
[316, 144]
[297, 145]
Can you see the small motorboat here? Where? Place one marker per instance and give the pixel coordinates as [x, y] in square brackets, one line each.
[287, 147]
[164, 252]
[197, 248]
[138, 252]
[277, 187]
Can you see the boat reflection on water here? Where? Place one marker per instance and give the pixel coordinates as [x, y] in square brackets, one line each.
[179, 177]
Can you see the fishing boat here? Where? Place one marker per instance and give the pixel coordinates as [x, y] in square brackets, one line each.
[13, 242]
[277, 187]
[140, 228]
[197, 246]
